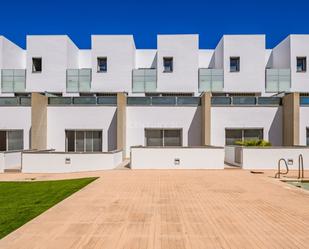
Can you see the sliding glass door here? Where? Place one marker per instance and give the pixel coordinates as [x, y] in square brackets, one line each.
[83, 140]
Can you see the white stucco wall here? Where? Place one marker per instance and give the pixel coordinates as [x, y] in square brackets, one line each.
[281, 55]
[11, 56]
[251, 51]
[267, 158]
[16, 118]
[303, 124]
[120, 53]
[56, 162]
[85, 58]
[145, 58]
[189, 158]
[206, 58]
[299, 48]
[58, 53]
[141, 117]
[268, 118]
[64, 118]
[184, 50]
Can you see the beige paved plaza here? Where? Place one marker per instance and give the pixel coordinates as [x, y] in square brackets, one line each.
[171, 209]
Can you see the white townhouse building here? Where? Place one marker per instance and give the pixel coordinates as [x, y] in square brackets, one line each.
[54, 95]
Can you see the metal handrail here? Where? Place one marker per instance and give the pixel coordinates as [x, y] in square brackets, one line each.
[300, 166]
[277, 175]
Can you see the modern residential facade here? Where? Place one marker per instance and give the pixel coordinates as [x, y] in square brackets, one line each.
[115, 96]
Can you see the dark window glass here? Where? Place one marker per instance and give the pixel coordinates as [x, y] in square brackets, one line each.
[301, 64]
[70, 137]
[36, 65]
[307, 136]
[253, 134]
[168, 64]
[15, 140]
[154, 137]
[84, 141]
[232, 136]
[172, 138]
[234, 64]
[102, 64]
[2, 140]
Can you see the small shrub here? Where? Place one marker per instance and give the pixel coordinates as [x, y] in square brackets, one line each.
[254, 142]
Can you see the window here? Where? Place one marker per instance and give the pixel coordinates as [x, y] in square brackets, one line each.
[301, 64]
[234, 135]
[11, 140]
[36, 65]
[307, 137]
[163, 137]
[83, 141]
[102, 64]
[234, 64]
[168, 64]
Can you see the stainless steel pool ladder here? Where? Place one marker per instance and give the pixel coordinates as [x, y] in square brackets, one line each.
[301, 174]
[277, 175]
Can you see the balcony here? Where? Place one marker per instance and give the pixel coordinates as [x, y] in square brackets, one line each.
[144, 80]
[78, 80]
[210, 80]
[13, 80]
[278, 80]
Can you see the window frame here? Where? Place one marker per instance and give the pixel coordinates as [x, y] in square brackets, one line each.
[7, 139]
[98, 65]
[304, 64]
[163, 136]
[242, 133]
[237, 58]
[171, 59]
[84, 131]
[33, 67]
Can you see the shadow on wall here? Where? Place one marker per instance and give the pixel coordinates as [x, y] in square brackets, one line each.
[195, 129]
[275, 130]
[112, 134]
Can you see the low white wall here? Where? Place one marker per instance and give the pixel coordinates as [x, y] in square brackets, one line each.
[189, 158]
[58, 162]
[267, 158]
[1, 162]
[229, 154]
[10, 161]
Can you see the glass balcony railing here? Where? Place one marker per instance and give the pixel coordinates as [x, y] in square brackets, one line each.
[304, 100]
[102, 100]
[78, 80]
[246, 101]
[144, 80]
[164, 101]
[15, 101]
[210, 80]
[13, 80]
[278, 80]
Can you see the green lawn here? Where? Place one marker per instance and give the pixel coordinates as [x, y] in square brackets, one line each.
[22, 201]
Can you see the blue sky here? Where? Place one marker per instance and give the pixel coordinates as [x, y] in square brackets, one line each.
[145, 19]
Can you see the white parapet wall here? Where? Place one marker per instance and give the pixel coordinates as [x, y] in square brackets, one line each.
[63, 162]
[10, 160]
[177, 157]
[266, 157]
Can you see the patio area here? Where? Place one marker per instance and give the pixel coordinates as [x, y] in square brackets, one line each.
[169, 209]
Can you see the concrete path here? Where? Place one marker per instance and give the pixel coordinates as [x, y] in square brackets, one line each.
[173, 209]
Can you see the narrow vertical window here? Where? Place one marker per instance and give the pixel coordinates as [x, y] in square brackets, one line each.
[36, 65]
[234, 64]
[168, 64]
[102, 64]
[301, 64]
[307, 137]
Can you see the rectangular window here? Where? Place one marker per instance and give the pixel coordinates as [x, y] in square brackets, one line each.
[36, 65]
[301, 64]
[168, 64]
[234, 64]
[307, 137]
[83, 141]
[11, 140]
[234, 135]
[102, 64]
[163, 137]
